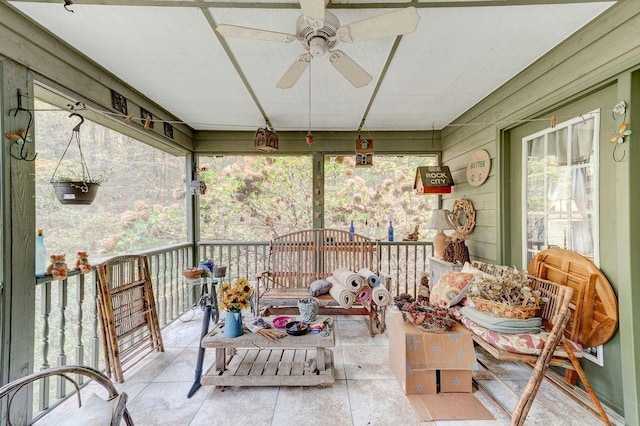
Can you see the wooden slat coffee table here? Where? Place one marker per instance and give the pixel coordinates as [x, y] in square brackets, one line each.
[252, 360]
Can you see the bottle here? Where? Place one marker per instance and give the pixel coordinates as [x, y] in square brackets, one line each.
[41, 253]
[352, 231]
[390, 233]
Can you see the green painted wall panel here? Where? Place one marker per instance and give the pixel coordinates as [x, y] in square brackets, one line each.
[573, 78]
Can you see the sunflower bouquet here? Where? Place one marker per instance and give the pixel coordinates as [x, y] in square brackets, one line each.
[234, 297]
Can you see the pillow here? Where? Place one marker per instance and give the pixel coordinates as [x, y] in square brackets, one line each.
[478, 274]
[319, 287]
[95, 411]
[448, 288]
[502, 325]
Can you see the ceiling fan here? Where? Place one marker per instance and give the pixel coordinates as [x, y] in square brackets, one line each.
[320, 31]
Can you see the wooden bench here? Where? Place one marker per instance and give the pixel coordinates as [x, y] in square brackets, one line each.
[556, 314]
[299, 258]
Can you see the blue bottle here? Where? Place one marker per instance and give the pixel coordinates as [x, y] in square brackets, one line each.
[390, 234]
[352, 231]
[41, 253]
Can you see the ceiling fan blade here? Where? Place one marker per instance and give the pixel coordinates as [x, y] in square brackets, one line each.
[253, 33]
[313, 9]
[390, 24]
[294, 72]
[349, 68]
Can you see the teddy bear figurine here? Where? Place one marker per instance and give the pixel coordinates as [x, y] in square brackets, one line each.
[58, 268]
[82, 262]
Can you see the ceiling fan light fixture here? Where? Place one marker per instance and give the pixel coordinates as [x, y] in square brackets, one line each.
[317, 46]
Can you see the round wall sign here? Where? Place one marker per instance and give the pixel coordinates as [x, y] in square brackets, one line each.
[478, 168]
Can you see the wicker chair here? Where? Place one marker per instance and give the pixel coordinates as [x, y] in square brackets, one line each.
[117, 400]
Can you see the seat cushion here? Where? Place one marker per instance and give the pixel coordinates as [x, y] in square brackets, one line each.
[524, 343]
[503, 325]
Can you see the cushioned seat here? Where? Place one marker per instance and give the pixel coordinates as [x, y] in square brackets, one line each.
[526, 343]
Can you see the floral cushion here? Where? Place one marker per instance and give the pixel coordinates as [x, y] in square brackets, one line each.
[449, 287]
[529, 344]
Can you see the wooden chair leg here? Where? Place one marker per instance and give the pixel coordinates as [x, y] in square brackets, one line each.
[529, 394]
[585, 381]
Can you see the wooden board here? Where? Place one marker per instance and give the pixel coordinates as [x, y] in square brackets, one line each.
[599, 302]
[271, 367]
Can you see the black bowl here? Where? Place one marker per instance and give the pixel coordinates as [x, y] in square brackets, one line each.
[296, 328]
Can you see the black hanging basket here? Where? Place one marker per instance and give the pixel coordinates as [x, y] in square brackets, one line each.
[83, 190]
[70, 192]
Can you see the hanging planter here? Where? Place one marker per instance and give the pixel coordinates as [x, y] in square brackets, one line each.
[75, 192]
[79, 188]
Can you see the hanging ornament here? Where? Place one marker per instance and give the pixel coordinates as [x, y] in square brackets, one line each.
[623, 131]
[309, 138]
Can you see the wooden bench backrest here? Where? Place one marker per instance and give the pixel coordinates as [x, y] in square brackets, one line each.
[300, 257]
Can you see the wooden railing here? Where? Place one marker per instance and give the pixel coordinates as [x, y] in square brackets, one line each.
[67, 327]
[403, 260]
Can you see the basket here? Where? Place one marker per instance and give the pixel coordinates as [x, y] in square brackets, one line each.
[192, 274]
[502, 310]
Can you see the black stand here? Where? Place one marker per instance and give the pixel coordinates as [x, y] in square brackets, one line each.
[206, 299]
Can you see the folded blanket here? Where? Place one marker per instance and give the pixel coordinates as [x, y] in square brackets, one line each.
[349, 279]
[502, 325]
[372, 279]
[340, 293]
[364, 295]
[381, 296]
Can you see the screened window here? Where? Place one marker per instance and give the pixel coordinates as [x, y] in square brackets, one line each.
[140, 206]
[254, 198]
[561, 186]
[371, 196]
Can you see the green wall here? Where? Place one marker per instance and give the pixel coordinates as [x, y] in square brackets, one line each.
[593, 68]
[605, 379]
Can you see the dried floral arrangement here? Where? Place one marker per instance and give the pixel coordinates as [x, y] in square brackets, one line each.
[421, 313]
[507, 296]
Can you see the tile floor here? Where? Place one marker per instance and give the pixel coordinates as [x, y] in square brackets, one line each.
[365, 392]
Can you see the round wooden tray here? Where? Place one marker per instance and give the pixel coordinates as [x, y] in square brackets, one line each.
[600, 304]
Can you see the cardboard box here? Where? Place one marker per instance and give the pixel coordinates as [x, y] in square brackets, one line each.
[428, 362]
[435, 370]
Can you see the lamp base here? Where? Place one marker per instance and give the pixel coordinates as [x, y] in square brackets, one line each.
[438, 244]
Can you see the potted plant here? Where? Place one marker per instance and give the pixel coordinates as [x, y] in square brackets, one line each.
[76, 187]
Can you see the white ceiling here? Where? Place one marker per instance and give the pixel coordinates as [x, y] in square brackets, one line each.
[168, 50]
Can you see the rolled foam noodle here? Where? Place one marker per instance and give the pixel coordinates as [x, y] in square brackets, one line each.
[381, 296]
[372, 279]
[349, 279]
[364, 295]
[341, 294]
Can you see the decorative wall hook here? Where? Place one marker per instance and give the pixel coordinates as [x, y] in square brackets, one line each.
[68, 3]
[21, 137]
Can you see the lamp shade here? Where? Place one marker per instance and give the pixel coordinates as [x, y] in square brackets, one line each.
[440, 220]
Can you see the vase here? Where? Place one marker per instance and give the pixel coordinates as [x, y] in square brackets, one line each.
[308, 308]
[233, 324]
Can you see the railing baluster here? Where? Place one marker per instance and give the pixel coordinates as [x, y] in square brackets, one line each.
[79, 330]
[45, 300]
[95, 338]
[62, 356]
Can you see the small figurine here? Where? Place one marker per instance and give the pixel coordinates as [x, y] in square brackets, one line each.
[58, 268]
[412, 236]
[82, 262]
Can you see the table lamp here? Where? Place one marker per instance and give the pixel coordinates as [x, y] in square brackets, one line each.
[439, 221]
